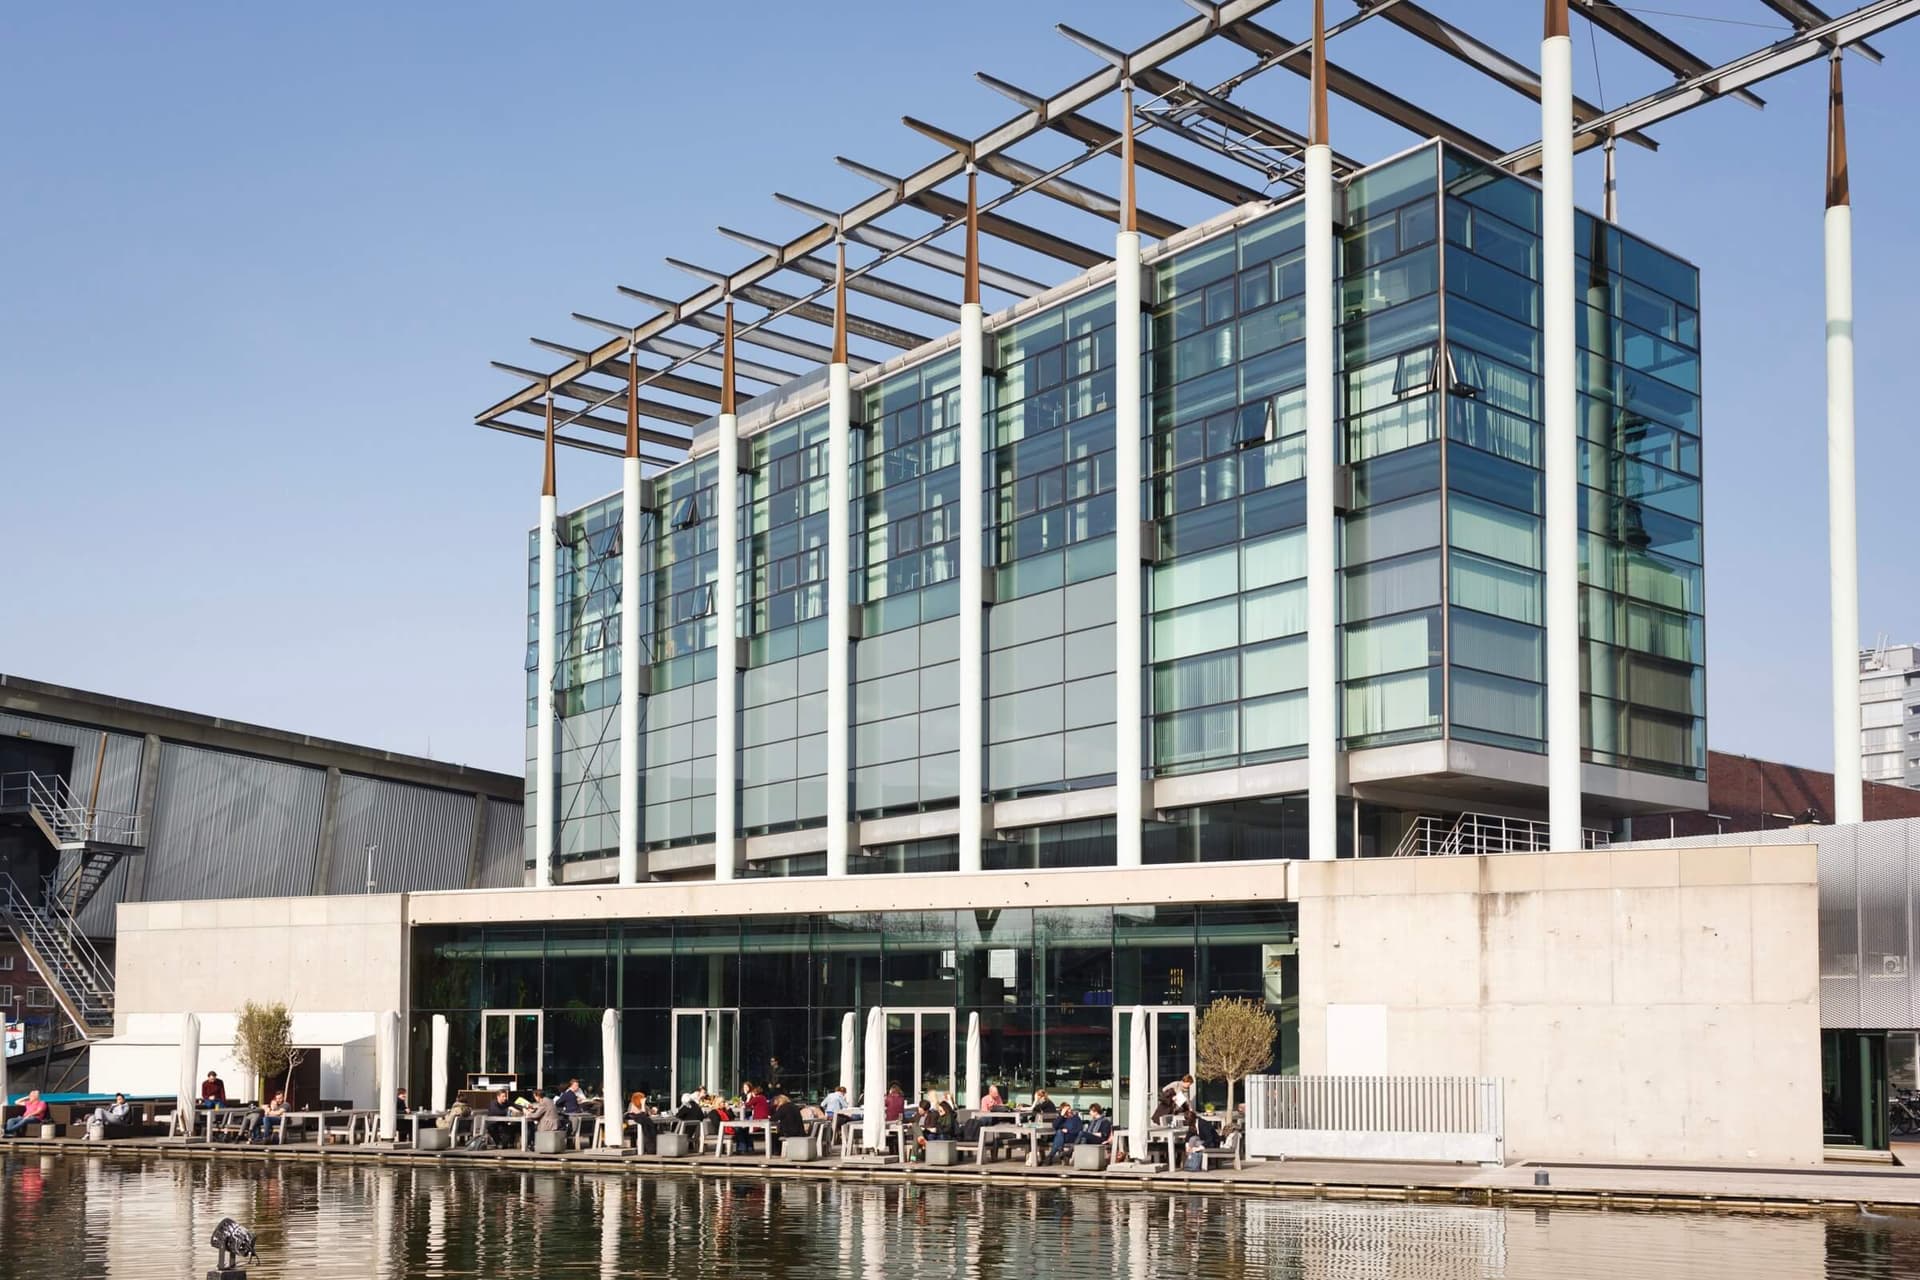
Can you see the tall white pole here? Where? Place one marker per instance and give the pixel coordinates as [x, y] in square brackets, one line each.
[543, 779]
[437, 1079]
[1842, 535]
[386, 1072]
[1323, 667]
[972, 607]
[726, 682]
[1129, 790]
[839, 615]
[1561, 430]
[632, 560]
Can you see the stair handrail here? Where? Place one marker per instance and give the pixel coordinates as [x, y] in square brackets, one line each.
[98, 971]
[63, 947]
[71, 820]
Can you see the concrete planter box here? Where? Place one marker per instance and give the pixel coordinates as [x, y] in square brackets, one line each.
[672, 1145]
[798, 1149]
[550, 1143]
[426, 1139]
[944, 1152]
[1090, 1157]
[49, 1130]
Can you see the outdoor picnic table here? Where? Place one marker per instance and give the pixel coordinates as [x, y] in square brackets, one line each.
[358, 1123]
[728, 1128]
[996, 1123]
[427, 1118]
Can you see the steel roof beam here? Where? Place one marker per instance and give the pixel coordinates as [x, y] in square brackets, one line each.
[532, 433]
[1087, 130]
[1021, 174]
[813, 313]
[619, 427]
[1232, 115]
[1649, 43]
[1487, 60]
[1804, 16]
[947, 209]
[1083, 93]
[866, 282]
[1297, 58]
[885, 241]
[674, 350]
[1730, 78]
[766, 339]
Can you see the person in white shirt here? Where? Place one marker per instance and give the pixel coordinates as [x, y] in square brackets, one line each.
[839, 1108]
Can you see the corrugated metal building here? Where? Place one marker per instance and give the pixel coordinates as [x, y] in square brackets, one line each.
[231, 810]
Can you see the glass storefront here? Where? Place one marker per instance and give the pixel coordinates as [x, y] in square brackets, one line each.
[715, 1001]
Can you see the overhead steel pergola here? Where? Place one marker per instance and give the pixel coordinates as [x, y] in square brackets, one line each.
[1230, 155]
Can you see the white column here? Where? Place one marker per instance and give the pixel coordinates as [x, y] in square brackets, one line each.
[972, 611]
[1842, 546]
[1323, 667]
[726, 683]
[1562, 443]
[543, 702]
[839, 617]
[1129, 794]
[631, 665]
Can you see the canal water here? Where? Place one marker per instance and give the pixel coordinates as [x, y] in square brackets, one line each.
[71, 1216]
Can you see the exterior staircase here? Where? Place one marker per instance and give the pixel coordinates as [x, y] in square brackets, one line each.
[1440, 835]
[91, 841]
[81, 982]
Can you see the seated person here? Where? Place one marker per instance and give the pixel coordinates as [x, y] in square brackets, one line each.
[938, 1122]
[571, 1100]
[115, 1112]
[213, 1090]
[787, 1120]
[32, 1111]
[545, 1115]
[839, 1108]
[497, 1113]
[895, 1103]
[271, 1116]
[1196, 1152]
[1098, 1126]
[1065, 1132]
[640, 1119]
[1042, 1104]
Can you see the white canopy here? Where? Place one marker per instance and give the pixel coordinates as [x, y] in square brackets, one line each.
[613, 1098]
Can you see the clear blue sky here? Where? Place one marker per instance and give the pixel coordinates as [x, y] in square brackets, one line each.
[256, 259]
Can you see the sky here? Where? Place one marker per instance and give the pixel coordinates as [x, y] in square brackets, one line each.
[255, 259]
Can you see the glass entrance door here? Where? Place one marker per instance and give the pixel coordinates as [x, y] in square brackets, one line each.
[511, 1043]
[1170, 1029]
[705, 1051]
[921, 1051]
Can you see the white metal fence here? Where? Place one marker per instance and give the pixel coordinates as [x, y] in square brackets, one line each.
[1451, 1118]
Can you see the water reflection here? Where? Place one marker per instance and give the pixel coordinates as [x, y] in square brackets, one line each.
[67, 1217]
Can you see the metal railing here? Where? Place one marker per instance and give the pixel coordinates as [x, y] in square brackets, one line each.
[71, 822]
[1386, 1117]
[1433, 835]
[55, 936]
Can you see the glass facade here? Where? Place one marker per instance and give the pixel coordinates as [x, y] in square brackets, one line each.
[765, 996]
[1441, 564]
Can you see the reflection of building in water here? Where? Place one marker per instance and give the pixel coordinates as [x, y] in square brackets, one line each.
[1319, 1241]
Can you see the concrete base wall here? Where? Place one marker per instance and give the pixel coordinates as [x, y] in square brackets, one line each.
[335, 962]
[1640, 1005]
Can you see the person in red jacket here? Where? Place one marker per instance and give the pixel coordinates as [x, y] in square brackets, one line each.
[213, 1090]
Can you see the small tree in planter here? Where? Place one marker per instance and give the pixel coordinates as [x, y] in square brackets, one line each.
[1234, 1041]
[263, 1042]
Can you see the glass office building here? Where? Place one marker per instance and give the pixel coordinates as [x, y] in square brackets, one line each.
[1441, 569]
